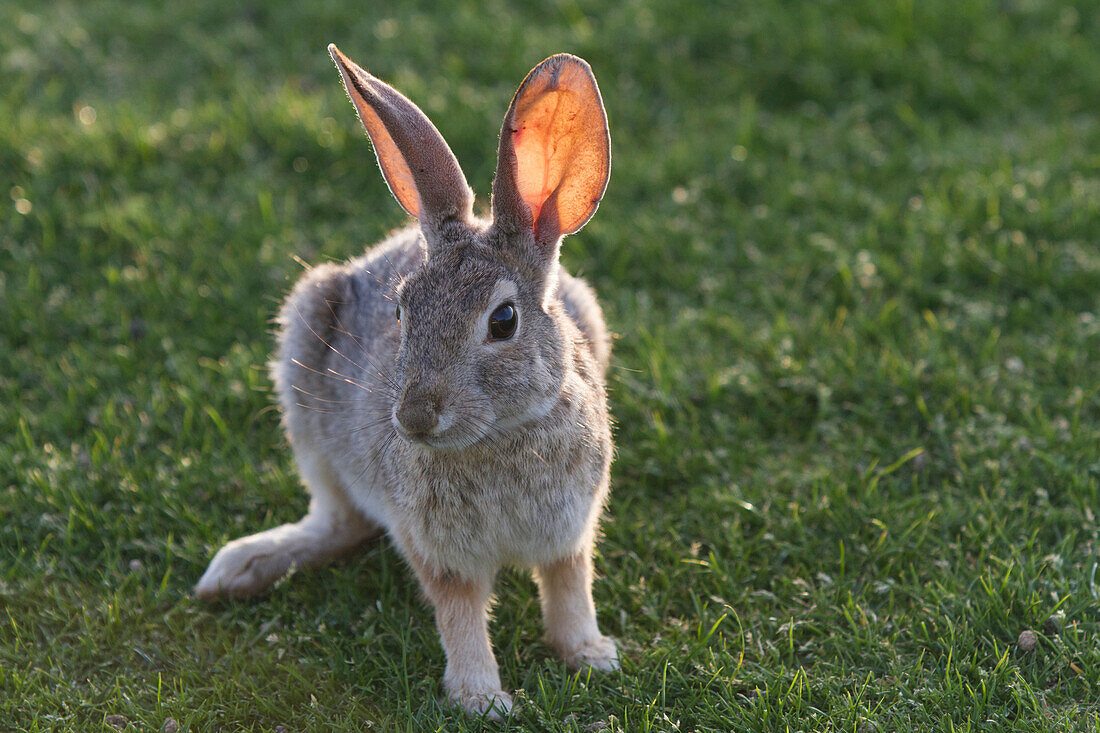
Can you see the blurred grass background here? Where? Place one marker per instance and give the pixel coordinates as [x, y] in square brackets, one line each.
[851, 251]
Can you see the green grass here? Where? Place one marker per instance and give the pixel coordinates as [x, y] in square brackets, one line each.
[852, 253]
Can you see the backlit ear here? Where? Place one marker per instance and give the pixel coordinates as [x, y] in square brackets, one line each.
[555, 153]
[416, 162]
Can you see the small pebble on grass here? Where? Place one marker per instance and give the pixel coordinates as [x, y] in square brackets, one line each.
[1027, 641]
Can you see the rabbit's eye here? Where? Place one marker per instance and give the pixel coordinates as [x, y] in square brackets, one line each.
[397, 313]
[502, 324]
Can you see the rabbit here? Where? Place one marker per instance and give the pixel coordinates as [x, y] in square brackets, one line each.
[447, 387]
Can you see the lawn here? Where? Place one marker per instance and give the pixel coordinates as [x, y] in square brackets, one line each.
[851, 251]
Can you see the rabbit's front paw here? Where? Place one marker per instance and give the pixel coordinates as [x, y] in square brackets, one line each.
[244, 567]
[600, 653]
[493, 704]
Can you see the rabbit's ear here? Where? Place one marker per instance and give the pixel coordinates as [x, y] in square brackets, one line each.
[555, 153]
[416, 162]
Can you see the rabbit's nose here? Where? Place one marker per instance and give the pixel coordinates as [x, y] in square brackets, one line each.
[418, 412]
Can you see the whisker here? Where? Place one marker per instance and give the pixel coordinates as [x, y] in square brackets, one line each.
[358, 342]
[381, 449]
[343, 329]
[352, 380]
[313, 408]
[296, 388]
[326, 343]
[338, 377]
[373, 424]
[380, 412]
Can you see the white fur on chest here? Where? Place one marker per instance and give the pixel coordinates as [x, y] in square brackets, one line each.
[465, 517]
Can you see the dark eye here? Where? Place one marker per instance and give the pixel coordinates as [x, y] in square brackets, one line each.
[397, 313]
[502, 324]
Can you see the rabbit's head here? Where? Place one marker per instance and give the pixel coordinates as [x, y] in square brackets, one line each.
[485, 345]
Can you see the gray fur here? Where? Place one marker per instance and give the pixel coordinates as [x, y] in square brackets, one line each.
[471, 453]
[342, 369]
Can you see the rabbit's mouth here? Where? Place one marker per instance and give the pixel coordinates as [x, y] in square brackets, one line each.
[448, 434]
[443, 442]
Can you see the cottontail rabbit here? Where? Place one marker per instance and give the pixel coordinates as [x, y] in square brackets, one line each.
[471, 424]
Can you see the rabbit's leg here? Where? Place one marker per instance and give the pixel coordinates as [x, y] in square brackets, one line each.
[471, 679]
[565, 588]
[249, 565]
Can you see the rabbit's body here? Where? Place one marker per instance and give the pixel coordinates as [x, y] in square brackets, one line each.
[464, 510]
[472, 424]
